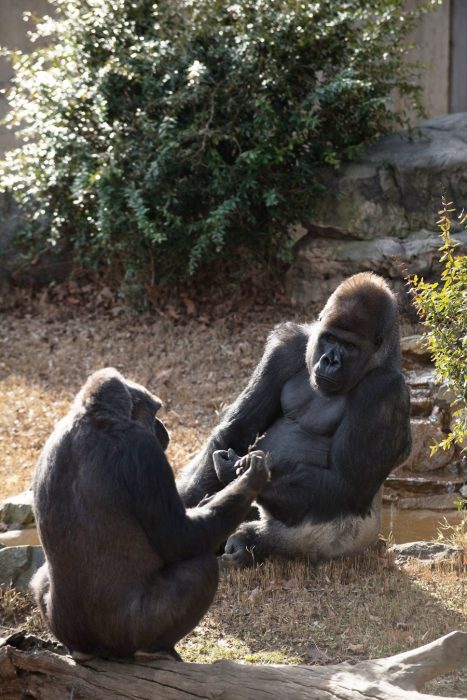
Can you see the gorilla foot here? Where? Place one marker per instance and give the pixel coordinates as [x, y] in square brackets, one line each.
[169, 655]
[241, 550]
[241, 559]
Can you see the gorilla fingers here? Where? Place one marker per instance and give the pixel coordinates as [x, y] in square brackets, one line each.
[228, 464]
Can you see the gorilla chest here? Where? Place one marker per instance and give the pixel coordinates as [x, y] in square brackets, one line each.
[314, 412]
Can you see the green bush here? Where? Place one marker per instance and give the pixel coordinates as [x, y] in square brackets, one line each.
[443, 309]
[159, 136]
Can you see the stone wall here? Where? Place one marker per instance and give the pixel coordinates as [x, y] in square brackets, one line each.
[380, 213]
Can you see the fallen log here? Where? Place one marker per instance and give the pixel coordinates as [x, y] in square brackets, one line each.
[29, 671]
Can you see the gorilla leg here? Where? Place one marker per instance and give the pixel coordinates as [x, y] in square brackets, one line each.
[347, 535]
[176, 602]
[165, 609]
[40, 586]
[151, 619]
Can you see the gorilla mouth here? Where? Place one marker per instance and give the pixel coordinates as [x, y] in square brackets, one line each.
[327, 383]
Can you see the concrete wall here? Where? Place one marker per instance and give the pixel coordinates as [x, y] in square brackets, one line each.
[13, 35]
[458, 63]
[432, 48]
[440, 42]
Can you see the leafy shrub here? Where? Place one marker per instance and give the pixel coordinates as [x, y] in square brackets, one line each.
[157, 136]
[443, 308]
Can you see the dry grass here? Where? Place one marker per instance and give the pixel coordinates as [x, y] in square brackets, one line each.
[294, 613]
[279, 613]
[195, 367]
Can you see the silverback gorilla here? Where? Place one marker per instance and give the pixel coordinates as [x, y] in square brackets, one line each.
[329, 406]
[127, 569]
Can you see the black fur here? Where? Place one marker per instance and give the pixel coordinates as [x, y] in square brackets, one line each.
[128, 568]
[331, 408]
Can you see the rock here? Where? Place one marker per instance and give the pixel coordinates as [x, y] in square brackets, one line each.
[445, 501]
[321, 264]
[424, 551]
[380, 213]
[430, 419]
[421, 378]
[421, 403]
[19, 564]
[10, 224]
[427, 432]
[440, 482]
[17, 511]
[397, 185]
[423, 381]
[12, 538]
[415, 350]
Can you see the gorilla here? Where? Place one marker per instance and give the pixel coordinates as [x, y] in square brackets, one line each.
[128, 569]
[329, 406]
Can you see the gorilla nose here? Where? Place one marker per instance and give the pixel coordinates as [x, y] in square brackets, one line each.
[330, 360]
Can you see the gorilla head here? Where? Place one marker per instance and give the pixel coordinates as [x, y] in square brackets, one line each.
[357, 330]
[128, 400]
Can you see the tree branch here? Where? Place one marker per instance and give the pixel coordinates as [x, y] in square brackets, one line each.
[27, 669]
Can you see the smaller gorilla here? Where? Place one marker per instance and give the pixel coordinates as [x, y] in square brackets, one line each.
[128, 569]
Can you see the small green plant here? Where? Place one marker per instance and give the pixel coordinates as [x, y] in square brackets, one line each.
[455, 534]
[443, 309]
[159, 136]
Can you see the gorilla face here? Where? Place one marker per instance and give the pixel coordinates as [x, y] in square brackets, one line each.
[338, 360]
[144, 409]
[354, 333]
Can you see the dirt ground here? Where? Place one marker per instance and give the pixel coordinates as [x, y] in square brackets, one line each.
[197, 362]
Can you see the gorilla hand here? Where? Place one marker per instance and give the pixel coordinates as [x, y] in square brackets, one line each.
[253, 467]
[228, 465]
[224, 465]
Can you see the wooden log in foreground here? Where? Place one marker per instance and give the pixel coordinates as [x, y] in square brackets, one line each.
[44, 675]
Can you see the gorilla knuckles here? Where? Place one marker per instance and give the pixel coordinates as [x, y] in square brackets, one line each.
[352, 326]
[128, 568]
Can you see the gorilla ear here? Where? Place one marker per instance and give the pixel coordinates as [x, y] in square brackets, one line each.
[378, 341]
[162, 434]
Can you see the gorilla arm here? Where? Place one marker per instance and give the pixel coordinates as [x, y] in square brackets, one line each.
[154, 501]
[372, 439]
[251, 414]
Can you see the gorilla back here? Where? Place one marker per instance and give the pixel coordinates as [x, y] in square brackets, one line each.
[128, 568]
[330, 406]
